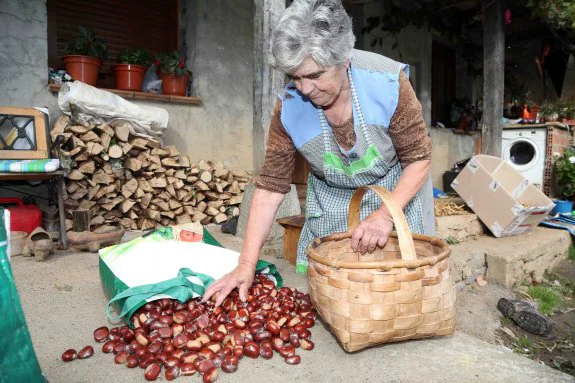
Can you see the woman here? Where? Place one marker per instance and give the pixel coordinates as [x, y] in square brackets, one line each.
[354, 116]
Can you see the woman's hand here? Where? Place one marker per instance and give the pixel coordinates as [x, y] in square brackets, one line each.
[372, 231]
[241, 277]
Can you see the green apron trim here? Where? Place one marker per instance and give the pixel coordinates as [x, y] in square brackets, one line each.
[332, 161]
[301, 268]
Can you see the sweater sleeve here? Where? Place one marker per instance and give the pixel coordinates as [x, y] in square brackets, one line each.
[407, 128]
[277, 171]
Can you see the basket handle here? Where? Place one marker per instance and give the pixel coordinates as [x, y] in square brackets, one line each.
[406, 247]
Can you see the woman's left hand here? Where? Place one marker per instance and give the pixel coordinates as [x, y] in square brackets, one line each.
[373, 231]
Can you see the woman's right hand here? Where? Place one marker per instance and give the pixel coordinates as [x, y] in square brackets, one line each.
[241, 277]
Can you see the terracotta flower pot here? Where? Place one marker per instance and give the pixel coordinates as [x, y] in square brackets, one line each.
[174, 85]
[83, 68]
[129, 76]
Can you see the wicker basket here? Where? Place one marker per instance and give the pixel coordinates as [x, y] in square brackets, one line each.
[402, 291]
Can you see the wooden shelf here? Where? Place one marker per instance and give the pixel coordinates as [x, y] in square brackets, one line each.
[128, 94]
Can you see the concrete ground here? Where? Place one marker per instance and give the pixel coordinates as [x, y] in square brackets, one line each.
[64, 302]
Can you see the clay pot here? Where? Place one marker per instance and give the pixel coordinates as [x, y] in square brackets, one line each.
[129, 76]
[83, 68]
[174, 85]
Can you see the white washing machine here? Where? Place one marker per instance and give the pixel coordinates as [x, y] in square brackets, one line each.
[525, 150]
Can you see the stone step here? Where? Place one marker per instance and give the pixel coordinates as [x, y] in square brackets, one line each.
[509, 261]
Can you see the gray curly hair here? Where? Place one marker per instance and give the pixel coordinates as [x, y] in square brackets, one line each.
[320, 29]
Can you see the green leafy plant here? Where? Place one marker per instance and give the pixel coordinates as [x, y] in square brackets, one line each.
[172, 63]
[564, 169]
[451, 240]
[559, 16]
[134, 56]
[546, 298]
[86, 44]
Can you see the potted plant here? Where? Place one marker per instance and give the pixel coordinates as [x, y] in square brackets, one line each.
[549, 112]
[173, 73]
[84, 55]
[132, 66]
[564, 172]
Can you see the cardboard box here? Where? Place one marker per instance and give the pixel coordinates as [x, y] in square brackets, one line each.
[506, 202]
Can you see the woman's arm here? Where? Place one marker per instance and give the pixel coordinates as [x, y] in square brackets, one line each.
[263, 208]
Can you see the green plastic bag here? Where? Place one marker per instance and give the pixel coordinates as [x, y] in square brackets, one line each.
[18, 361]
[159, 265]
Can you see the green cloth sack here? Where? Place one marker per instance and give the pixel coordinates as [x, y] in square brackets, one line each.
[18, 361]
[161, 265]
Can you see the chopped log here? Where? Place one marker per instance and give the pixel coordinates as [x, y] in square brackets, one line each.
[178, 184]
[212, 195]
[133, 164]
[105, 128]
[222, 217]
[90, 136]
[200, 217]
[145, 202]
[183, 218]
[180, 174]
[163, 205]
[75, 175]
[126, 147]
[235, 212]
[225, 196]
[71, 187]
[153, 214]
[158, 182]
[216, 204]
[192, 179]
[133, 215]
[194, 171]
[78, 194]
[61, 124]
[104, 190]
[145, 224]
[165, 196]
[92, 190]
[87, 167]
[170, 172]
[189, 210]
[139, 143]
[179, 210]
[81, 220]
[204, 165]
[206, 176]
[172, 151]
[97, 220]
[206, 220]
[115, 151]
[78, 142]
[83, 156]
[174, 204]
[200, 197]
[159, 152]
[169, 214]
[170, 189]
[112, 204]
[127, 205]
[185, 161]
[200, 185]
[219, 187]
[78, 129]
[234, 188]
[102, 178]
[105, 140]
[202, 206]
[212, 211]
[220, 171]
[129, 188]
[242, 186]
[168, 161]
[107, 168]
[235, 200]
[139, 193]
[144, 185]
[222, 209]
[122, 132]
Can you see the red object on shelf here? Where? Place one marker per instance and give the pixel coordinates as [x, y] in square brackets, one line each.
[22, 217]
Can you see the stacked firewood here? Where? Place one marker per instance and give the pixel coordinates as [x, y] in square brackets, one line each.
[133, 181]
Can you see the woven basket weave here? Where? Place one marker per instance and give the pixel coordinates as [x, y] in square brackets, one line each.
[399, 292]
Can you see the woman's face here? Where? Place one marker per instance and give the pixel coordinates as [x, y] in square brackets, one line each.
[321, 84]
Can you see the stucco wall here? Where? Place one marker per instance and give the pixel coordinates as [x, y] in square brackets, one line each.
[448, 148]
[218, 38]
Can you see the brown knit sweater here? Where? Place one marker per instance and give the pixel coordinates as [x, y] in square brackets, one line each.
[407, 130]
